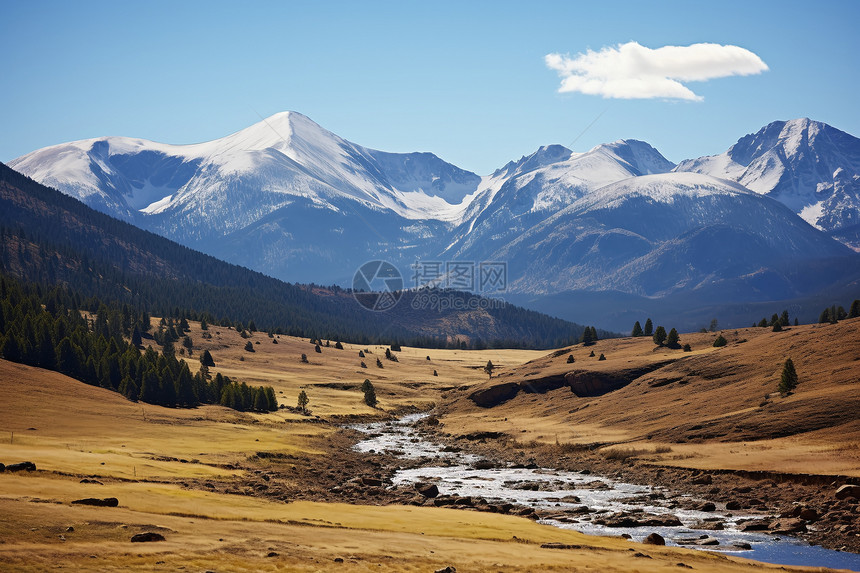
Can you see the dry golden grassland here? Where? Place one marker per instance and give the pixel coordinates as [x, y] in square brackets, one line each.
[151, 458]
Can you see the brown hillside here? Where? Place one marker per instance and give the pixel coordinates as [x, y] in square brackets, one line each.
[709, 404]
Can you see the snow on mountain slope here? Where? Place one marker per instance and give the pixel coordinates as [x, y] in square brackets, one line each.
[809, 166]
[261, 166]
[525, 192]
[657, 234]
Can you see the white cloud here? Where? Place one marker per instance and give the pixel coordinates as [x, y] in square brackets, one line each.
[632, 71]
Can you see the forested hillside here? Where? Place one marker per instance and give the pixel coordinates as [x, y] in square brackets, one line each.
[49, 238]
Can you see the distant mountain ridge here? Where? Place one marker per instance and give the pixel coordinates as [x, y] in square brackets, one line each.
[295, 201]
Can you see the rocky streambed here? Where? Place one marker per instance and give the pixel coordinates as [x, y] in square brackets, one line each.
[445, 475]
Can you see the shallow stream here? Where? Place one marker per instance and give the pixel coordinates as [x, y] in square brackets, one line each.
[454, 473]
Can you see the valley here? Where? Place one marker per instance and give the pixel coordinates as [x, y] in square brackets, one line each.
[286, 490]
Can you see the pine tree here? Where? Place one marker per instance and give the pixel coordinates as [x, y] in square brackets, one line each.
[261, 404]
[602, 357]
[777, 327]
[305, 358]
[570, 359]
[270, 398]
[854, 312]
[637, 329]
[379, 363]
[788, 379]
[184, 387]
[586, 338]
[720, 341]
[249, 346]
[369, 393]
[649, 328]
[783, 318]
[672, 340]
[136, 339]
[303, 401]
[317, 349]
[659, 336]
[206, 359]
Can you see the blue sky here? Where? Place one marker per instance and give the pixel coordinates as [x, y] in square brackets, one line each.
[466, 81]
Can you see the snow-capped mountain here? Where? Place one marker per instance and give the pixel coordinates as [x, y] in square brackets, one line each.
[246, 175]
[655, 235]
[809, 166]
[297, 202]
[525, 192]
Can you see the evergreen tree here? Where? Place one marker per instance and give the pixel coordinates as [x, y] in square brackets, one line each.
[361, 353]
[149, 387]
[762, 323]
[68, 360]
[783, 318]
[369, 393]
[720, 341]
[714, 324]
[206, 359]
[659, 336]
[602, 357]
[687, 348]
[777, 327]
[249, 346]
[136, 339]
[672, 340]
[586, 338]
[854, 312]
[379, 363]
[338, 345]
[637, 329]
[270, 398]
[304, 358]
[184, 387]
[303, 401]
[649, 328]
[570, 359]
[261, 404]
[318, 349]
[788, 379]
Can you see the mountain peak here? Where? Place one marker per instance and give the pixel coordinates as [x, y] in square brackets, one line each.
[642, 157]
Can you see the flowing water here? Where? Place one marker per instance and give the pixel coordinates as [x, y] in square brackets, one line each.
[548, 489]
